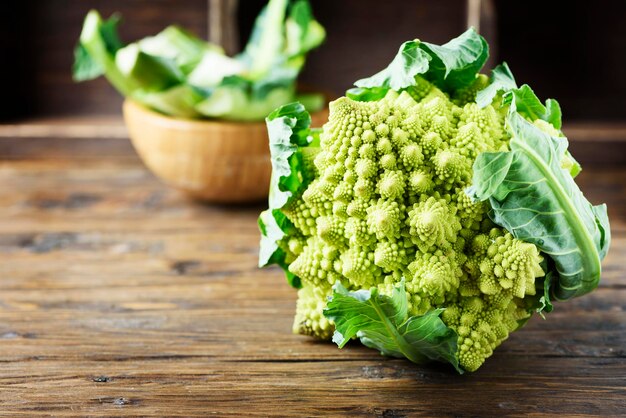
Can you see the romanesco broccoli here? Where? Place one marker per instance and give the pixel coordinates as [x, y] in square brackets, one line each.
[391, 201]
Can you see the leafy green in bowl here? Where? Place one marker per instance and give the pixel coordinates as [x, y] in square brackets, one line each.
[180, 75]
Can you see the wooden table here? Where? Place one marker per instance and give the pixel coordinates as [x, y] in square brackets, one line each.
[120, 297]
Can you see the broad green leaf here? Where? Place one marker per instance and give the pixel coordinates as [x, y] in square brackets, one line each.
[491, 168]
[451, 66]
[291, 141]
[408, 62]
[524, 101]
[382, 322]
[602, 222]
[539, 202]
[501, 80]
[271, 233]
[455, 64]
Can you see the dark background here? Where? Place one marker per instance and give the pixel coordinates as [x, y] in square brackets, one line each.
[571, 50]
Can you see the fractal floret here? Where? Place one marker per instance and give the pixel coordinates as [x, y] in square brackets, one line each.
[433, 213]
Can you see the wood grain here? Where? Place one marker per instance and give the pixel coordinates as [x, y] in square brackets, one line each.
[120, 297]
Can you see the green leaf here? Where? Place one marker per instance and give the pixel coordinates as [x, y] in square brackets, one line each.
[490, 171]
[179, 101]
[273, 224]
[408, 62]
[267, 38]
[280, 78]
[271, 233]
[541, 301]
[382, 322]
[85, 68]
[455, 64]
[539, 202]
[290, 140]
[237, 103]
[100, 41]
[213, 69]
[544, 300]
[553, 113]
[362, 94]
[525, 102]
[303, 32]
[451, 66]
[149, 72]
[108, 31]
[283, 33]
[288, 130]
[177, 44]
[501, 80]
[156, 71]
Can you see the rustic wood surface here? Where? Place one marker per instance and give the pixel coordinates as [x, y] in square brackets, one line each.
[120, 297]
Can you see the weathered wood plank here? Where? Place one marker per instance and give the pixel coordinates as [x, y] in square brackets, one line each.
[121, 297]
[201, 386]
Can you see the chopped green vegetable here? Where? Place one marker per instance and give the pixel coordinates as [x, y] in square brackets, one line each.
[434, 213]
[180, 75]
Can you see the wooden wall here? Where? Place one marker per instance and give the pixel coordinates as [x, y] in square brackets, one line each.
[574, 51]
[566, 50]
[360, 41]
[44, 40]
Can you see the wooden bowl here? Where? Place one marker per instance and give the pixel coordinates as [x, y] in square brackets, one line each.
[215, 161]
